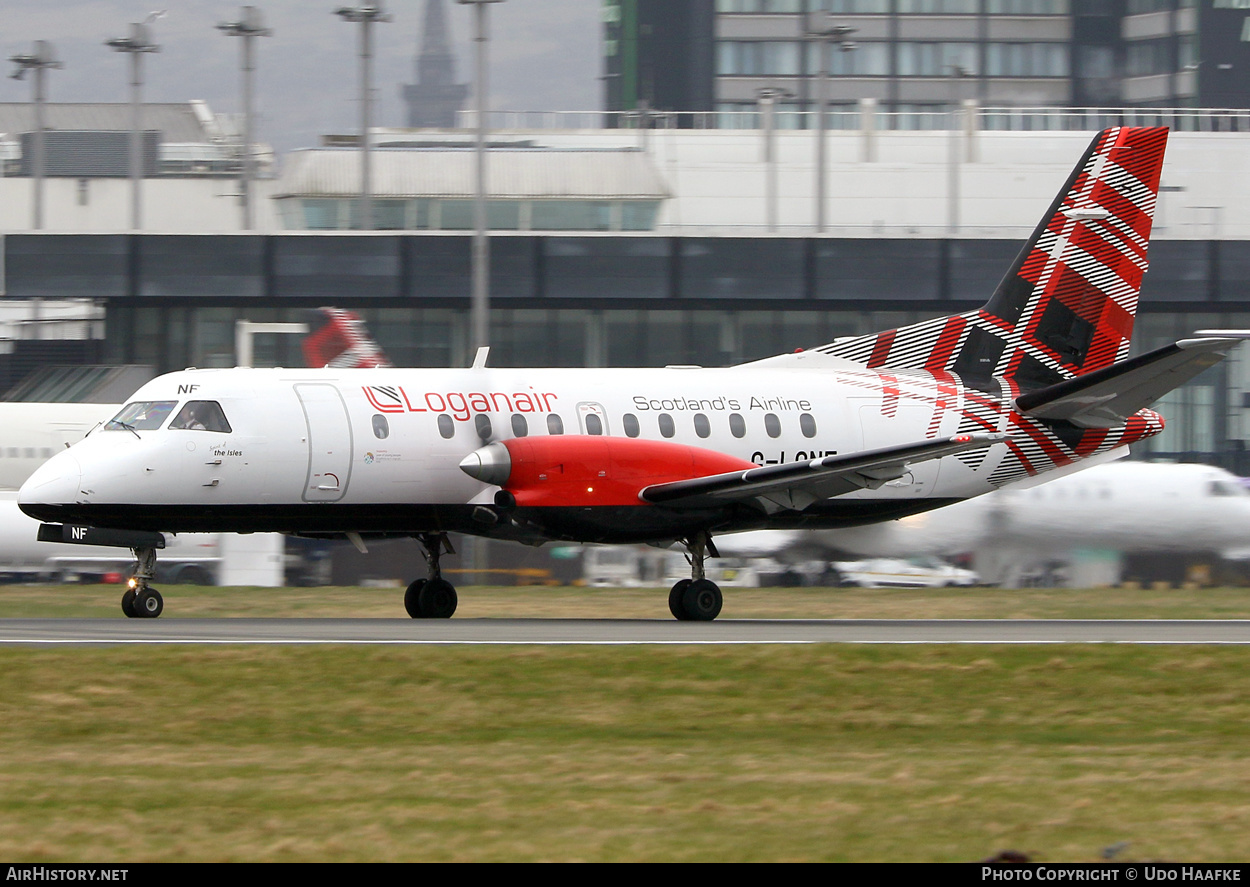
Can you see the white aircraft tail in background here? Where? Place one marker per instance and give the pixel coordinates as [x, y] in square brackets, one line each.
[1087, 521]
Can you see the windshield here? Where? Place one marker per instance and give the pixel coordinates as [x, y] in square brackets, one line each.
[201, 415]
[141, 415]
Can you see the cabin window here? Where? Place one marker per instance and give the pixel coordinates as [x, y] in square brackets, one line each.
[737, 425]
[381, 428]
[141, 416]
[772, 425]
[702, 426]
[446, 427]
[482, 423]
[807, 424]
[666, 425]
[594, 425]
[555, 425]
[630, 423]
[520, 428]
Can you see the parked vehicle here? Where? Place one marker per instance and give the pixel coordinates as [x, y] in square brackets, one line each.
[912, 572]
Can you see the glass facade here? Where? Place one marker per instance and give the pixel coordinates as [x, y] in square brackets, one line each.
[430, 214]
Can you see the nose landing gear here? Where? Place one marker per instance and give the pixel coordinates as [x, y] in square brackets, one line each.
[697, 599]
[433, 597]
[141, 601]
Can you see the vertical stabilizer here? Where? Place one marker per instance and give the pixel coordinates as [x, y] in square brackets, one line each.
[1066, 306]
[339, 338]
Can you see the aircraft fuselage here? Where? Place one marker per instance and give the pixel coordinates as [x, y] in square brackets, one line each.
[378, 451]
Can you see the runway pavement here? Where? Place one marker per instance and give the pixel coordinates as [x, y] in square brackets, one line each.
[619, 631]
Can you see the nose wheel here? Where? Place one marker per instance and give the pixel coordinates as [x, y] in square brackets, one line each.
[433, 597]
[141, 601]
[697, 599]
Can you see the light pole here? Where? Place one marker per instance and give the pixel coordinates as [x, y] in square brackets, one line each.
[249, 26]
[136, 44]
[365, 16]
[42, 58]
[480, 313]
[822, 36]
[767, 98]
[958, 72]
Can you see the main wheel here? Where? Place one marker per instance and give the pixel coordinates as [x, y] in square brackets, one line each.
[411, 598]
[702, 601]
[675, 605]
[128, 604]
[148, 603]
[437, 600]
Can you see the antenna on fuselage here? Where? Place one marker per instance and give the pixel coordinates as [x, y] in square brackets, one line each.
[479, 359]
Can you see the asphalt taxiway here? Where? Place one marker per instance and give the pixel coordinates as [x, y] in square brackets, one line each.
[620, 631]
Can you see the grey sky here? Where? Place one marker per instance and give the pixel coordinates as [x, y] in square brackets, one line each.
[545, 55]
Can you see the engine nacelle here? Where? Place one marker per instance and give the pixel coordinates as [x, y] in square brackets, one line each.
[588, 470]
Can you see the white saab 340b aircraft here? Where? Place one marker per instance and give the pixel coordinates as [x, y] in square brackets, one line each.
[866, 429]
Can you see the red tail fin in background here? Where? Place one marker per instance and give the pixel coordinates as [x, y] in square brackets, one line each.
[340, 339]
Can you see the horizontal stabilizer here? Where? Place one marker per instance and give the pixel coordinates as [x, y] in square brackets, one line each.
[796, 485]
[1106, 397]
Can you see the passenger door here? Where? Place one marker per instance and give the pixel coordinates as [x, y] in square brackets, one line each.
[329, 441]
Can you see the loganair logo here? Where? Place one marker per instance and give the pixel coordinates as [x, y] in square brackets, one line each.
[460, 404]
[368, 458]
[385, 398]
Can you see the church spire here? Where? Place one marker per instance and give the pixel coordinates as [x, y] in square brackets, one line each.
[436, 97]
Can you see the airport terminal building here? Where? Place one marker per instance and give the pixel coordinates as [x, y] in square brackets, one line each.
[625, 247]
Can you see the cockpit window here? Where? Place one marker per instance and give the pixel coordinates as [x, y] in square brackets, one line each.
[201, 415]
[1225, 488]
[141, 416]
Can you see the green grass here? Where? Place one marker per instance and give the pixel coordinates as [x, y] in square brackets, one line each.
[823, 752]
[756, 753]
[585, 603]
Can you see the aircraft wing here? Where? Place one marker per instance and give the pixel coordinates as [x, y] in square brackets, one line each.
[797, 485]
[1106, 397]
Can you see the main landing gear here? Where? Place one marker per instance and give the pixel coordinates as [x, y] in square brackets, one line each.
[697, 599]
[141, 601]
[433, 597]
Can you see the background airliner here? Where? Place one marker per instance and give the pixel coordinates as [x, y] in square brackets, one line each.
[859, 431]
[1087, 521]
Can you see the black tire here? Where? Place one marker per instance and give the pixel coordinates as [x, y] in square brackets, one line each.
[411, 598]
[148, 603]
[702, 601]
[128, 604]
[437, 599]
[675, 595]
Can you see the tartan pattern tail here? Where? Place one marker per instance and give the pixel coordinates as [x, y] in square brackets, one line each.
[1068, 303]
